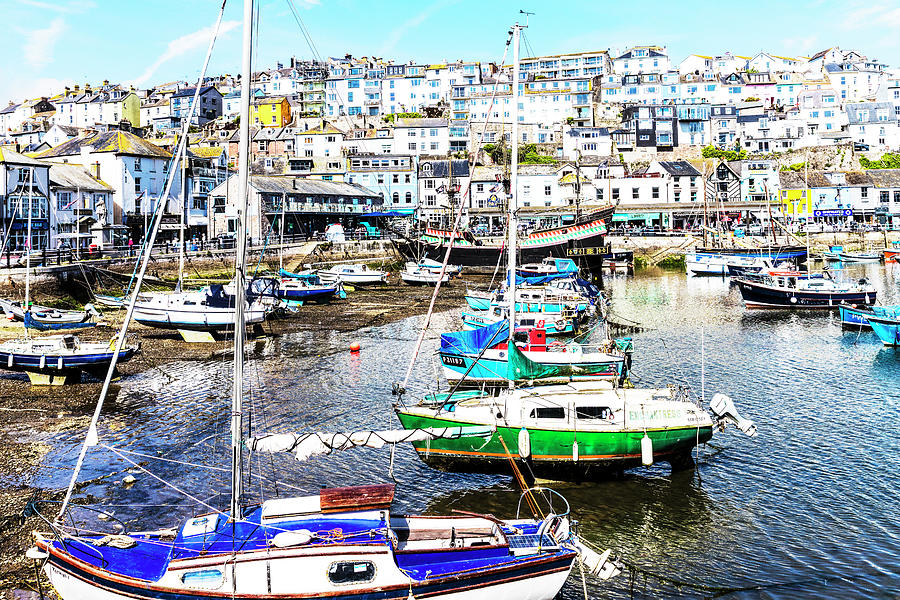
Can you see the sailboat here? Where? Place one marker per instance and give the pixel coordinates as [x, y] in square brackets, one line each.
[576, 431]
[335, 543]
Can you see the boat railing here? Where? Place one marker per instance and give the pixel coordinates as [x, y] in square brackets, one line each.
[70, 541]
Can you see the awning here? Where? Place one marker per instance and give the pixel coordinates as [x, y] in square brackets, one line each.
[402, 212]
[634, 216]
[71, 236]
[84, 219]
[197, 221]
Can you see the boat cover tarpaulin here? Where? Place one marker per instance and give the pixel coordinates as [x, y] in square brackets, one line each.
[306, 445]
[541, 279]
[31, 323]
[518, 366]
[473, 342]
[308, 276]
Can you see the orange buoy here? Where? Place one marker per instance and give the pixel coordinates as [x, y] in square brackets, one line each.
[354, 347]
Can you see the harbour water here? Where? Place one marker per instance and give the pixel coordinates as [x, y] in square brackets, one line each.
[806, 509]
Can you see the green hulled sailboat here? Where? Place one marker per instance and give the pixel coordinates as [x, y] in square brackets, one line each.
[576, 430]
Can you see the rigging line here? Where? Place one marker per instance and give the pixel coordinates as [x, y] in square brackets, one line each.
[437, 287]
[91, 437]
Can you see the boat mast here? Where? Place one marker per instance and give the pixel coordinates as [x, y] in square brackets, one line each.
[511, 203]
[181, 218]
[281, 241]
[28, 245]
[705, 204]
[240, 285]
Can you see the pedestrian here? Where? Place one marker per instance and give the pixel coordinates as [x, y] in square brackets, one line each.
[130, 246]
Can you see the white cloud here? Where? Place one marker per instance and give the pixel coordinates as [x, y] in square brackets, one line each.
[39, 43]
[76, 6]
[183, 45]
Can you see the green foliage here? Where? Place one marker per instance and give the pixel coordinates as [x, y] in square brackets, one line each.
[796, 167]
[640, 262]
[497, 153]
[675, 261]
[528, 155]
[887, 161]
[713, 152]
[404, 115]
[570, 120]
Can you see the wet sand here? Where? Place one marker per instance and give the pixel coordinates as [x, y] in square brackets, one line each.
[25, 408]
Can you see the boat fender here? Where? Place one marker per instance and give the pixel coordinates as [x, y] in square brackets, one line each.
[9, 360]
[43, 361]
[286, 539]
[646, 450]
[793, 299]
[575, 451]
[524, 443]
[59, 363]
[560, 325]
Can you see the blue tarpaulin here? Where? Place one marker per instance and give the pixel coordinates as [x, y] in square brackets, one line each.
[541, 279]
[312, 277]
[473, 342]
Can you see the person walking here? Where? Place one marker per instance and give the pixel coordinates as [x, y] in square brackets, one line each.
[130, 247]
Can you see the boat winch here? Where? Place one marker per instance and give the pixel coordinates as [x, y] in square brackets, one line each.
[724, 409]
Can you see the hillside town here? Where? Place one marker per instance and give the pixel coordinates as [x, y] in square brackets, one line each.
[722, 140]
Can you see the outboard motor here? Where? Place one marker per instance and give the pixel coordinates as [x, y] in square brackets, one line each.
[724, 409]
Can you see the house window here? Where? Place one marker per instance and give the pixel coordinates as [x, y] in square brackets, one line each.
[63, 199]
[429, 184]
[615, 193]
[864, 192]
[547, 190]
[408, 197]
[137, 185]
[395, 197]
[407, 178]
[635, 193]
[261, 146]
[655, 193]
[137, 163]
[395, 178]
[884, 196]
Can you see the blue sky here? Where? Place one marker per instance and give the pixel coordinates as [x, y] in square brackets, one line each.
[51, 43]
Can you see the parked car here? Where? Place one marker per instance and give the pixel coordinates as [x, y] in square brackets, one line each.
[859, 146]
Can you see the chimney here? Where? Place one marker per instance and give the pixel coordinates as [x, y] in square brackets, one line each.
[106, 82]
[95, 170]
[77, 88]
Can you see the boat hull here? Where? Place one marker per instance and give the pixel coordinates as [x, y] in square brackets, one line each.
[887, 329]
[553, 324]
[212, 320]
[599, 453]
[563, 242]
[757, 295]
[492, 367]
[776, 253]
[854, 318]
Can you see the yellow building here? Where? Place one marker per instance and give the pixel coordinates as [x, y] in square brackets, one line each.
[795, 203]
[270, 112]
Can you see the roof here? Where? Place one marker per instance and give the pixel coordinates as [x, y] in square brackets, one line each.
[885, 178]
[488, 173]
[439, 168]
[9, 109]
[207, 151]
[269, 100]
[288, 184]
[69, 175]
[791, 180]
[679, 168]
[324, 128]
[117, 141]
[190, 91]
[424, 122]
[12, 157]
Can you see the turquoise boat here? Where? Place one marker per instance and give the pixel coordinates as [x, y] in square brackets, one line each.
[885, 322]
[484, 357]
[554, 324]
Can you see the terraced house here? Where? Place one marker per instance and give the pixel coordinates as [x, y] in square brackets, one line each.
[270, 112]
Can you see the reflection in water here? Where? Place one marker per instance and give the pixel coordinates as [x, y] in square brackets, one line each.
[806, 509]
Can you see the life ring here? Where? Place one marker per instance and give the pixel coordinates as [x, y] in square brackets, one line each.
[556, 346]
[540, 323]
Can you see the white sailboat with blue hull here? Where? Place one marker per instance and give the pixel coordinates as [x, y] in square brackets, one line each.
[337, 543]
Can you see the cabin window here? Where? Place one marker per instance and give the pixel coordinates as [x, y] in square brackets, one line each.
[207, 579]
[351, 572]
[593, 412]
[553, 412]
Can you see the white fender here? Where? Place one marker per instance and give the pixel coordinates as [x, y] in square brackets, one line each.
[43, 362]
[59, 363]
[646, 450]
[524, 443]
[575, 451]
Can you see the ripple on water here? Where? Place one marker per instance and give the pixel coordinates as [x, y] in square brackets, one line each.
[806, 509]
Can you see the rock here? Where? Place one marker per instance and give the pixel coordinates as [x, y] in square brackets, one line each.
[129, 479]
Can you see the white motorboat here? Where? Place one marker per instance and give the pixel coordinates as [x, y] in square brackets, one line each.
[352, 274]
[59, 359]
[210, 309]
[413, 274]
